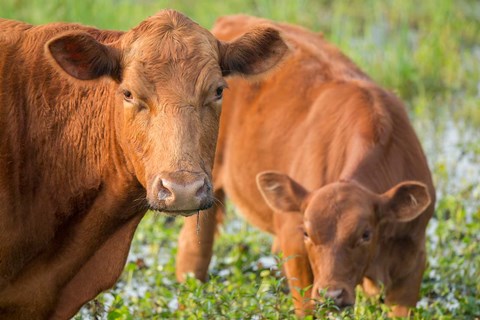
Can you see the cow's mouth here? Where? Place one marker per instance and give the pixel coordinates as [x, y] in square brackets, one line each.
[182, 212]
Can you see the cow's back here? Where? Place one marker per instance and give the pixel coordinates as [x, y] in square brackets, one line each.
[317, 118]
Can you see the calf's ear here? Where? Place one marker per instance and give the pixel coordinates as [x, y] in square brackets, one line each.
[280, 191]
[83, 57]
[255, 52]
[405, 201]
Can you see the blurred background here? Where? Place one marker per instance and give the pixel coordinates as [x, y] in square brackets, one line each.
[427, 52]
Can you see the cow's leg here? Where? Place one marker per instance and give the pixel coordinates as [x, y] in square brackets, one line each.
[403, 293]
[34, 294]
[195, 242]
[99, 273]
[297, 267]
[276, 249]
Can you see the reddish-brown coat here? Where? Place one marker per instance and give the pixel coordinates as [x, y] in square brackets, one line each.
[348, 171]
[97, 127]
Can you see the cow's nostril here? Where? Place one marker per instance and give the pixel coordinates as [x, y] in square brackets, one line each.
[181, 192]
[164, 193]
[203, 190]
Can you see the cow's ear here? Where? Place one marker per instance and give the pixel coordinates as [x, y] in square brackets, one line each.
[405, 201]
[254, 52]
[280, 191]
[83, 57]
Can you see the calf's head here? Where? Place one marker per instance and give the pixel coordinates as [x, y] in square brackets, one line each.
[342, 225]
[168, 76]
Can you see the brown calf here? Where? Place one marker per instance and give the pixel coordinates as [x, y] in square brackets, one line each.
[96, 128]
[351, 194]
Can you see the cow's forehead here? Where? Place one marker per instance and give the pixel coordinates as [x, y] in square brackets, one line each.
[171, 51]
[170, 36]
[337, 211]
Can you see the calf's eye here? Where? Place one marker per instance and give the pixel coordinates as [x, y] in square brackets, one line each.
[366, 236]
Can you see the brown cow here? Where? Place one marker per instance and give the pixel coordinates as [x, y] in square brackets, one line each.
[354, 195]
[96, 128]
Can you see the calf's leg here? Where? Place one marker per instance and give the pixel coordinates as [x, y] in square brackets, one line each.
[403, 293]
[370, 287]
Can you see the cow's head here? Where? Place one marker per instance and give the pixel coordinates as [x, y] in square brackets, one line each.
[341, 225]
[169, 74]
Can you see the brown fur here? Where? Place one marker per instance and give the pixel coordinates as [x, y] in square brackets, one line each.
[347, 162]
[95, 127]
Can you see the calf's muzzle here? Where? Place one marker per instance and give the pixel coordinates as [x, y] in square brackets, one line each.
[338, 295]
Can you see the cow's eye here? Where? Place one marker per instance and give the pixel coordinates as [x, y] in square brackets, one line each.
[305, 234]
[219, 93]
[127, 96]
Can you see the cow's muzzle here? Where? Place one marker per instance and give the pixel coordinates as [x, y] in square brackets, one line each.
[183, 193]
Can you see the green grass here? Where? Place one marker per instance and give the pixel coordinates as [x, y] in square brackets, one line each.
[428, 52]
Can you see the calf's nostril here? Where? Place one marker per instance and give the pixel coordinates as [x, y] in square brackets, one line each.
[336, 295]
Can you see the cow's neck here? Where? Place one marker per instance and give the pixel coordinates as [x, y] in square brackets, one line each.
[70, 148]
[59, 140]
[61, 164]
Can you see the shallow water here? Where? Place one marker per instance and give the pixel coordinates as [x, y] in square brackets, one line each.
[453, 152]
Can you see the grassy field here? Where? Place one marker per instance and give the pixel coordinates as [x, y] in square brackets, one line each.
[428, 52]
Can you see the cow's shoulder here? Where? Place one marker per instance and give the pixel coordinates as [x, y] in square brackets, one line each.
[228, 28]
[11, 30]
[9, 26]
[310, 53]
